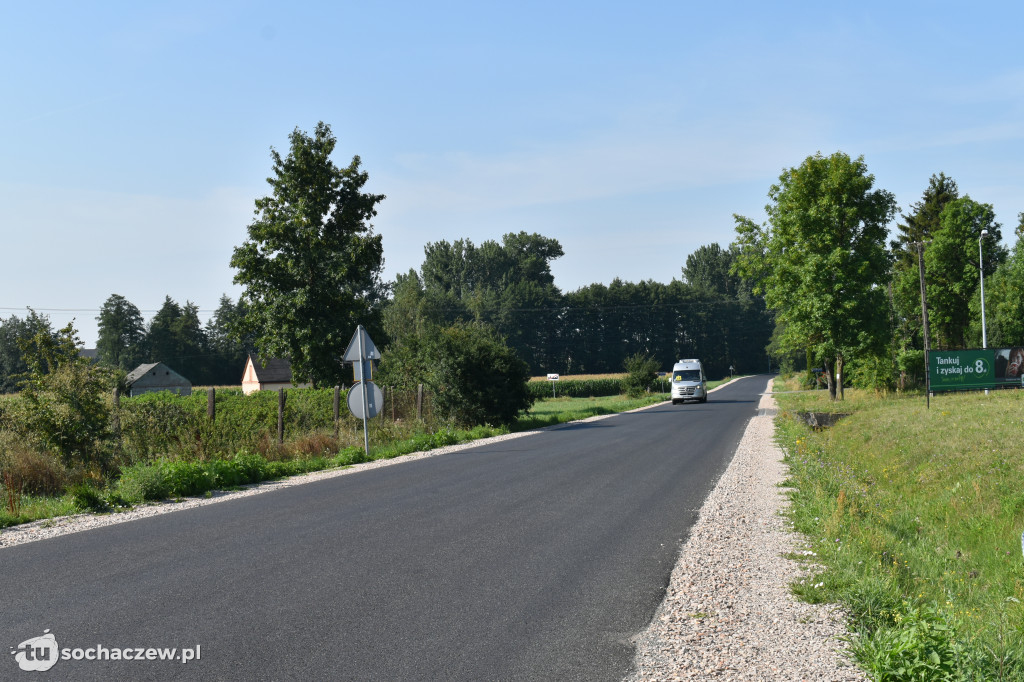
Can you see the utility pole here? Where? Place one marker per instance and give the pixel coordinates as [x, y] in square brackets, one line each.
[924, 322]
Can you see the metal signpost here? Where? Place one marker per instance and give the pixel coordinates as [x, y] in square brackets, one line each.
[552, 378]
[365, 399]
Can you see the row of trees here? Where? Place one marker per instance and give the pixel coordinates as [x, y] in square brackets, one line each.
[207, 355]
[842, 298]
[710, 313]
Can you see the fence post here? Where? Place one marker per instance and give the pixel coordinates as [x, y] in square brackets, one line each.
[117, 417]
[211, 404]
[280, 416]
[419, 402]
[337, 407]
[392, 390]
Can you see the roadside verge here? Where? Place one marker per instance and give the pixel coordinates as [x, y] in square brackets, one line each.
[728, 612]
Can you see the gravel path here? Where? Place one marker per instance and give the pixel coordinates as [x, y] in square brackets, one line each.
[728, 613]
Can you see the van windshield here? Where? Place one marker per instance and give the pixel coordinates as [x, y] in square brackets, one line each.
[686, 375]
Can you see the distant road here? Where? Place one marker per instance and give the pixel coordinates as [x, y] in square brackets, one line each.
[534, 558]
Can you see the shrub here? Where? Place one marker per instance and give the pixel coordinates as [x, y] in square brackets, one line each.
[143, 482]
[473, 375]
[186, 478]
[87, 498]
[29, 470]
[65, 397]
[642, 369]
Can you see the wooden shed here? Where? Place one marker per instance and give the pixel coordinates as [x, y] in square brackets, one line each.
[275, 374]
[154, 377]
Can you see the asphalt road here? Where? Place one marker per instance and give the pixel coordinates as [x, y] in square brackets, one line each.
[534, 558]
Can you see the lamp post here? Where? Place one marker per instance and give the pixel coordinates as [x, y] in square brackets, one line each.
[981, 267]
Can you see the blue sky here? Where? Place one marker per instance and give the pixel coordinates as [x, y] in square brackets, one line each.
[136, 136]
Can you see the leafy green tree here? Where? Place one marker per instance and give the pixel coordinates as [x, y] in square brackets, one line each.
[409, 313]
[710, 268]
[122, 333]
[65, 397]
[1004, 297]
[924, 220]
[475, 377]
[227, 344]
[14, 330]
[311, 265]
[507, 285]
[920, 225]
[821, 260]
[951, 267]
[175, 337]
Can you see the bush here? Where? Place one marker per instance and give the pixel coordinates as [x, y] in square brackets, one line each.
[143, 482]
[88, 498]
[66, 398]
[473, 375]
[642, 369]
[30, 471]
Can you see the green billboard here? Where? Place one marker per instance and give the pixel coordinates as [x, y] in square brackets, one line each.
[964, 370]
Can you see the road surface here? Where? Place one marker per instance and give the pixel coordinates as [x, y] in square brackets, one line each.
[532, 558]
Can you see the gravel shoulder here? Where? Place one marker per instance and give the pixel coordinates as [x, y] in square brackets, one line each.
[728, 613]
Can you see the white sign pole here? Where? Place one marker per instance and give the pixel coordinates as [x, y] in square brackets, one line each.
[364, 379]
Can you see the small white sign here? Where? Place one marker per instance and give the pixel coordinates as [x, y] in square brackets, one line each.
[553, 377]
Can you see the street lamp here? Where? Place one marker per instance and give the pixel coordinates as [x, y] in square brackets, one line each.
[981, 267]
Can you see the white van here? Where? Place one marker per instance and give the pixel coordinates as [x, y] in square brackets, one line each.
[689, 382]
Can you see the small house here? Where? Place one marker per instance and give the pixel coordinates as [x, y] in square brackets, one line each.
[275, 374]
[154, 377]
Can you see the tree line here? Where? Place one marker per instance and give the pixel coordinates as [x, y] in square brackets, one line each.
[816, 285]
[848, 302]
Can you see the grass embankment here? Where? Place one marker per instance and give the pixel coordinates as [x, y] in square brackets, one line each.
[916, 516]
[181, 477]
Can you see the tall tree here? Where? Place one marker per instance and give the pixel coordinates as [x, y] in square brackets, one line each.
[952, 269]
[507, 285]
[709, 268]
[920, 225]
[821, 260]
[121, 333]
[227, 345]
[1004, 294]
[175, 337]
[311, 265]
[924, 220]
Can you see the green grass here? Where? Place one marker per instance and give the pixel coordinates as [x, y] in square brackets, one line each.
[35, 507]
[552, 411]
[916, 516]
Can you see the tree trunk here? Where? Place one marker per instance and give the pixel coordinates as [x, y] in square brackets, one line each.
[830, 377]
[840, 363]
